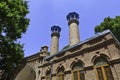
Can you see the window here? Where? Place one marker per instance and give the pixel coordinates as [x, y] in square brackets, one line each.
[48, 75]
[60, 74]
[103, 71]
[77, 70]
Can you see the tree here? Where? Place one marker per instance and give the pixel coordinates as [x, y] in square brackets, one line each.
[110, 23]
[13, 23]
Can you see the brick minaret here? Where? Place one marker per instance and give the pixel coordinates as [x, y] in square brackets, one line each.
[55, 39]
[73, 23]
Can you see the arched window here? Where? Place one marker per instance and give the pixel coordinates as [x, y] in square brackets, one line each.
[48, 75]
[103, 71]
[60, 73]
[78, 73]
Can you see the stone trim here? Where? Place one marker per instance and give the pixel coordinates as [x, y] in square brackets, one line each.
[73, 21]
[116, 61]
[46, 64]
[80, 51]
[55, 34]
[42, 77]
[88, 68]
[33, 59]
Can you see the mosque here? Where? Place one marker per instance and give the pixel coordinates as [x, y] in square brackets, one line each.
[96, 58]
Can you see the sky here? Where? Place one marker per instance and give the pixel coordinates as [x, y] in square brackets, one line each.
[46, 13]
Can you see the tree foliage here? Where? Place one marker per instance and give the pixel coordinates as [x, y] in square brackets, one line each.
[110, 23]
[13, 23]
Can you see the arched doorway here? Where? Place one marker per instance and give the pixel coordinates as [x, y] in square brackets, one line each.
[27, 73]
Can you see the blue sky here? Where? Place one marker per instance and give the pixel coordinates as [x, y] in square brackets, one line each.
[46, 13]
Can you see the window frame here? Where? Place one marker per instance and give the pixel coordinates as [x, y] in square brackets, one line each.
[60, 73]
[103, 71]
[77, 70]
[102, 67]
[48, 75]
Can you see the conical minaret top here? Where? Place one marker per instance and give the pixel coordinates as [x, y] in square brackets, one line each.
[73, 23]
[55, 39]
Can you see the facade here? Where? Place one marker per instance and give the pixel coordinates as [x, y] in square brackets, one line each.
[97, 58]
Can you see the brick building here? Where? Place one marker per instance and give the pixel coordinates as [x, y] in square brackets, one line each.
[96, 58]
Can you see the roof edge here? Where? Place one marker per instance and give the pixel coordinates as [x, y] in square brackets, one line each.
[89, 39]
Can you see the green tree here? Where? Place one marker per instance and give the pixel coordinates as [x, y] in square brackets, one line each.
[110, 23]
[13, 23]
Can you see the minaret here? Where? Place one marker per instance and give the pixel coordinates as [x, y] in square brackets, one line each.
[55, 39]
[73, 23]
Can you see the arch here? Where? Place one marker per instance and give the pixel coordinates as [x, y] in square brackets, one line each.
[60, 67]
[102, 68]
[100, 61]
[78, 61]
[47, 72]
[101, 55]
[27, 73]
[78, 70]
[60, 72]
[77, 65]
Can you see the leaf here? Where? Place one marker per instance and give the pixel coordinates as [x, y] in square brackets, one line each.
[110, 23]
[13, 23]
